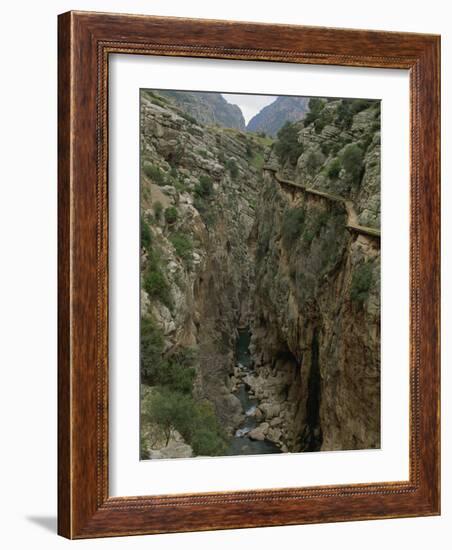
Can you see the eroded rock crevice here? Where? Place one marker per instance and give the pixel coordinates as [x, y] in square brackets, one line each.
[311, 438]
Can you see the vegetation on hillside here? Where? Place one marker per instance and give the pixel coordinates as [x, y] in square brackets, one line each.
[171, 404]
[287, 147]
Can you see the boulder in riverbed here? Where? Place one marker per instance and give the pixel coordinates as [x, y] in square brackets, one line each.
[258, 434]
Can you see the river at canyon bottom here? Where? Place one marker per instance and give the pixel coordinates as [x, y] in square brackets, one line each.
[241, 444]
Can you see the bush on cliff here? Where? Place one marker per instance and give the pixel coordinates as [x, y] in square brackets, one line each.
[154, 173]
[207, 437]
[156, 285]
[352, 161]
[287, 147]
[145, 233]
[151, 348]
[168, 410]
[231, 166]
[314, 161]
[362, 281]
[334, 168]
[292, 225]
[171, 215]
[204, 188]
[194, 420]
[158, 209]
[183, 247]
[315, 107]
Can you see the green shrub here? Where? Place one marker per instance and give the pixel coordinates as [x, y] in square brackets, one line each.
[231, 166]
[207, 437]
[175, 376]
[185, 356]
[292, 225]
[257, 160]
[315, 107]
[168, 410]
[314, 161]
[158, 209]
[324, 118]
[177, 372]
[196, 421]
[362, 281]
[344, 117]
[316, 220]
[287, 147]
[156, 285]
[145, 233]
[188, 117]
[350, 107]
[171, 215]
[205, 209]
[183, 246]
[205, 186]
[358, 105]
[151, 348]
[352, 161]
[154, 173]
[334, 168]
[325, 147]
[316, 104]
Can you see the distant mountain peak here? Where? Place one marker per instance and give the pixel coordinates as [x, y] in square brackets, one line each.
[207, 108]
[272, 117]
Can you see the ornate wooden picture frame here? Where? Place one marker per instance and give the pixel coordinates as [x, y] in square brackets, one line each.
[86, 41]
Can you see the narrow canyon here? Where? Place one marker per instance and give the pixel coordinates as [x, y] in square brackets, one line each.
[260, 277]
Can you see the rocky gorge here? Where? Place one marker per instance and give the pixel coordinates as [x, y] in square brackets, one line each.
[274, 239]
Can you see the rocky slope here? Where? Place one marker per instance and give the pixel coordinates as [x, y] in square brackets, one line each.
[272, 117]
[316, 328]
[207, 108]
[199, 187]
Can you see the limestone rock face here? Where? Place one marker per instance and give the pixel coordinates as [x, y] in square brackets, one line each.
[203, 176]
[316, 323]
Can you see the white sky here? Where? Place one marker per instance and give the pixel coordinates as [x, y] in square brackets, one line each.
[250, 104]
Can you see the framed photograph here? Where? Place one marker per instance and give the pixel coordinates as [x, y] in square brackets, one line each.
[248, 275]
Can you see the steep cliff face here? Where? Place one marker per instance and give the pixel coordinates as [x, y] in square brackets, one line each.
[207, 108]
[272, 117]
[199, 188]
[316, 326]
